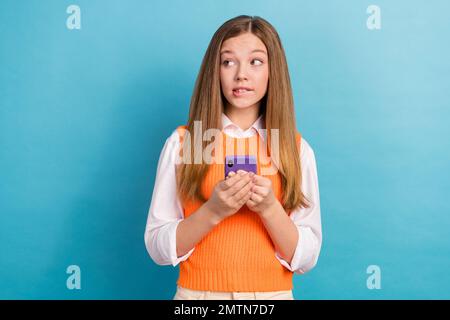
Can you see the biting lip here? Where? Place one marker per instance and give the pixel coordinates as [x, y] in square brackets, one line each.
[242, 88]
[241, 92]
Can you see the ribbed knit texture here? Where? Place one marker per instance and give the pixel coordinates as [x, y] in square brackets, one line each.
[238, 254]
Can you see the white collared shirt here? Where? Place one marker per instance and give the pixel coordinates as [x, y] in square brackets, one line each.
[166, 212]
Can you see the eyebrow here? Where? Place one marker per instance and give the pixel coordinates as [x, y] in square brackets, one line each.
[256, 50]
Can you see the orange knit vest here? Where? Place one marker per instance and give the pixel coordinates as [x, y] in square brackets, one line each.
[238, 254]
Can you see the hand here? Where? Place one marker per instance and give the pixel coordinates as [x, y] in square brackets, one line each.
[230, 194]
[262, 198]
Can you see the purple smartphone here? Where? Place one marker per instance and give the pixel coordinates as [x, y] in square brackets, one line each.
[235, 163]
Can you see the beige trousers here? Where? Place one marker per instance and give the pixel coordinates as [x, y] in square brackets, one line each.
[188, 294]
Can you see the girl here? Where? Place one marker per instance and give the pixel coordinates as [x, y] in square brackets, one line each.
[242, 236]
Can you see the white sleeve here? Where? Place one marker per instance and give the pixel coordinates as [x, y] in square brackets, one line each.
[165, 212]
[307, 220]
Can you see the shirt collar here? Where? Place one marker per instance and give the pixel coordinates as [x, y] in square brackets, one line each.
[230, 128]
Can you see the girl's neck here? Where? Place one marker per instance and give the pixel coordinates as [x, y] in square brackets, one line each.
[244, 118]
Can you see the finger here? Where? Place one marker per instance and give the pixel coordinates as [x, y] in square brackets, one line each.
[250, 203]
[259, 180]
[244, 199]
[243, 192]
[239, 185]
[262, 191]
[230, 174]
[256, 198]
[262, 181]
[228, 183]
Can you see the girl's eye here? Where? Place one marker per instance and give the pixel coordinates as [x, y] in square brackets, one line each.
[225, 62]
[259, 61]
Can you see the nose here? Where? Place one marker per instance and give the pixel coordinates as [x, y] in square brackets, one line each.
[241, 73]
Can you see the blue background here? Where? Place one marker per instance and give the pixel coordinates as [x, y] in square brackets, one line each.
[84, 115]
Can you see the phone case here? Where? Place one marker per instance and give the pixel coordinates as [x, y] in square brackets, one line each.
[240, 162]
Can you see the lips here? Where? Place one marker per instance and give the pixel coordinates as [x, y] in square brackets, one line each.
[241, 91]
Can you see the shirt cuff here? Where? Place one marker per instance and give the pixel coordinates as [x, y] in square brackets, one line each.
[173, 246]
[304, 252]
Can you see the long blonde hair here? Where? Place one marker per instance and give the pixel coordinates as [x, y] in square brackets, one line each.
[207, 105]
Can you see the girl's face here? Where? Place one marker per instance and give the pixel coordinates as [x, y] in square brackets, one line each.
[244, 63]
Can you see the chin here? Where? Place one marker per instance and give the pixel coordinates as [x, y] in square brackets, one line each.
[241, 103]
[242, 106]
